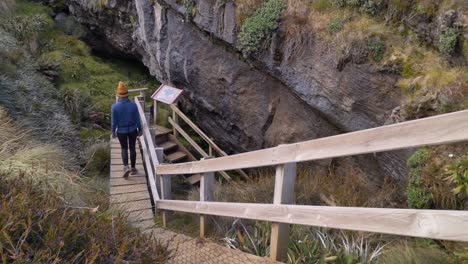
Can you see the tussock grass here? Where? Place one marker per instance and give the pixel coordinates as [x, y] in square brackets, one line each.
[246, 8]
[37, 226]
[49, 213]
[312, 188]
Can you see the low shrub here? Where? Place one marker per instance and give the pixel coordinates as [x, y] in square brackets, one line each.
[417, 196]
[259, 26]
[335, 25]
[448, 41]
[458, 174]
[377, 48]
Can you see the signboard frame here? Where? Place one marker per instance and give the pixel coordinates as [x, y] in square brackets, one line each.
[157, 95]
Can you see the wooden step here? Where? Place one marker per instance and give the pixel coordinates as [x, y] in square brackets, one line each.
[168, 146]
[161, 134]
[160, 139]
[194, 178]
[162, 130]
[176, 156]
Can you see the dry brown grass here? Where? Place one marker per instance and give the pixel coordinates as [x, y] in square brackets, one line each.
[345, 187]
[246, 8]
[434, 177]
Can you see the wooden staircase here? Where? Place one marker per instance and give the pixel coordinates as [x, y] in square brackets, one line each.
[174, 151]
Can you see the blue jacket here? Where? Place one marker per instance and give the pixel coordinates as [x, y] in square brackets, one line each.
[125, 117]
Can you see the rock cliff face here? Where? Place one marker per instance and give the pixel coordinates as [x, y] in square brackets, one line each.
[279, 96]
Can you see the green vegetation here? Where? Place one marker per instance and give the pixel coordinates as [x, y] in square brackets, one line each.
[84, 79]
[190, 9]
[335, 25]
[377, 49]
[49, 213]
[322, 5]
[417, 197]
[448, 41]
[259, 26]
[458, 174]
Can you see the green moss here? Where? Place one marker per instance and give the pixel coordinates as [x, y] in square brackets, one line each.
[335, 25]
[27, 8]
[377, 48]
[322, 5]
[465, 49]
[259, 26]
[448, 41]
[407, 70]
[86, 78]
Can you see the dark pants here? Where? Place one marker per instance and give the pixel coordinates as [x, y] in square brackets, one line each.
[128, 140]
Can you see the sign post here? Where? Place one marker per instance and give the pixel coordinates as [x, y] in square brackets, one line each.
[165, 94]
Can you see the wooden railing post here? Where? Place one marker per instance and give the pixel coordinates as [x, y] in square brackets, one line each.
[206, 195]
[175, 117]
[166, 195]
[164, 186]
[283, 194]
[155, 112]
[143, 100]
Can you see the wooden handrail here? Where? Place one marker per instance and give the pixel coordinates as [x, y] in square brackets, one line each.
[152, 160]
[205, 137]
[435, 224]
[442, 129]
[137, 90]
[188, 138]
[195, 145]
[198, 130]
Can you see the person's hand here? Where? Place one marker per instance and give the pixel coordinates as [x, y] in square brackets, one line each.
[140, 132]
[114, 135]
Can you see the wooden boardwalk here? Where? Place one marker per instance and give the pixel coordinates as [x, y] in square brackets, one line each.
[131, 195]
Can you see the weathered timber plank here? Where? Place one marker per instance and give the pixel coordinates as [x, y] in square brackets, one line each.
[128, 188]
[117, 155]
[128, 197]
[120, 162]
[284, 194]
[142, 215]
[119, 169]
[188, 138]
[151, 178]
[442, 129]
[134, 205]
[435, 224]
[129, 181]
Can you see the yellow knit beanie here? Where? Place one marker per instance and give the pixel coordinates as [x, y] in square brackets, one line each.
[122, 91]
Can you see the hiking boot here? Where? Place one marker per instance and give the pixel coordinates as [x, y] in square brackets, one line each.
[126, 171]
[134, 172]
